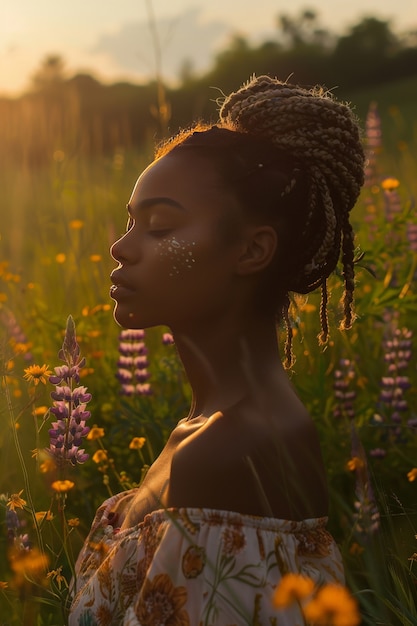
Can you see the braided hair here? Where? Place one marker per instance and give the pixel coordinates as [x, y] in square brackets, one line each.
[294, 156]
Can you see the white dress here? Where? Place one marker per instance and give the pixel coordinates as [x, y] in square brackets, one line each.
[195, 567]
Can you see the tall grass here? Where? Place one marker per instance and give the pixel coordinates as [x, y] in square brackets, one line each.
[60, 211]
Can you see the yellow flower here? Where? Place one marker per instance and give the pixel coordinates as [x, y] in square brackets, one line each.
[15, 501]
[76, 224]
[3, 584]
[61, 486]
[28, 565]
[137, 443]
[412, 474]
[37, 374]
[61, 257]
[73, 522]
[47, 466]
[96, 433]
[292, 588]
[333, 605]
[56, 575]
[100, 456]
[354, 463]
[42, 516]
[95, 258]
[40, 411]
[390, 183]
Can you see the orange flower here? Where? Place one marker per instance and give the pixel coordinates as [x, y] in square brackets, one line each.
[137, 443]
[62, 486]
[61, 257]
[3, 584]
[99, 456]
[96, 433]
[355, 463]
[15, 501]
[42, 516]
[76, 224]
[37, 374]
[95, 258]
[73, 522]
[390, 183]
[333, 605]
[40, 411]
[292, 588]
[412, 475]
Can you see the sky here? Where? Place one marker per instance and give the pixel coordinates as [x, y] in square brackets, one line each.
[111, 39]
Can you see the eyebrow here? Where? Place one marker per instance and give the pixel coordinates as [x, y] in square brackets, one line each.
[148, 202]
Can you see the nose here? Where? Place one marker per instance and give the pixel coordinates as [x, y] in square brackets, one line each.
[116, 250]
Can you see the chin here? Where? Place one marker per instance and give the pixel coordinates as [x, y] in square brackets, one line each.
[131, 319]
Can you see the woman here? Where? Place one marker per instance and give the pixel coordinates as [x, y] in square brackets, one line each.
[223, 225]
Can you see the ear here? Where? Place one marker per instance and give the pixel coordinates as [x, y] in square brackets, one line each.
[258, 249]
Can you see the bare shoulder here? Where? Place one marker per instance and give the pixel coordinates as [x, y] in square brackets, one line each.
[260, 463]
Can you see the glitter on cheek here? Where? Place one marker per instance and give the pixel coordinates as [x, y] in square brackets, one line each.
[179, 253]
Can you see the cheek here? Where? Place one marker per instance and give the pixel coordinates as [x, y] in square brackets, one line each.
[177, 255]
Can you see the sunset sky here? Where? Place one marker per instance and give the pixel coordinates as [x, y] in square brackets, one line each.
[111, 39]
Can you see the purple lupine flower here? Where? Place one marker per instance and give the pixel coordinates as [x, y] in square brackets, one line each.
[133, 363]
[18, 339]
[167, 339]
[366, 516]
[69, 406]
[412, 236]
[373, 143]
[393, 405]
[344, 392]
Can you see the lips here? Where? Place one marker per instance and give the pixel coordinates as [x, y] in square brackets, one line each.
[118, 283]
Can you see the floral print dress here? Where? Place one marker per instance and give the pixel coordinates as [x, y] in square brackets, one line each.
[195, 567]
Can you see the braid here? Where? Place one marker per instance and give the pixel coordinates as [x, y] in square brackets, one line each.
[321, 135]
[289, 356]
[324, 320]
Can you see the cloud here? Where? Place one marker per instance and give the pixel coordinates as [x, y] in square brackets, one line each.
[184, 38]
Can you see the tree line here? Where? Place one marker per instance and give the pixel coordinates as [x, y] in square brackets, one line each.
[81, 114]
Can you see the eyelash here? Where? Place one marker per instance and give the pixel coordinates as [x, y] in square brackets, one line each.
[158, 232]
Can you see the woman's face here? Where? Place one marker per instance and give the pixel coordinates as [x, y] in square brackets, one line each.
[176, 264]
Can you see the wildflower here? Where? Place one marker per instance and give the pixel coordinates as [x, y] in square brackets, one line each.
[99, 456]
[390, 184]
[393, 404]
[292, 588]
[137, 443]
[40, 411]
[332, 606]
[28, 564]
[344, 394]
[37, 374]
[76, 224]
[56, 575]
[62, 486]
[167, 339]
[70, 404]
[18, 339]
[132, 363]
[373, 136]
[73, 522]
[3, 584]
[412, 475]
[367, 515]
[95, 258]
[42, 516]
[15, 501]
[96, 433]
[354, 463]
[61, 258]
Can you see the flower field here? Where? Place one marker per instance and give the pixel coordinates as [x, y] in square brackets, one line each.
[86, 407]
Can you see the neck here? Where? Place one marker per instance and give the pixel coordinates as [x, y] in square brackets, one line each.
[227, 364]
